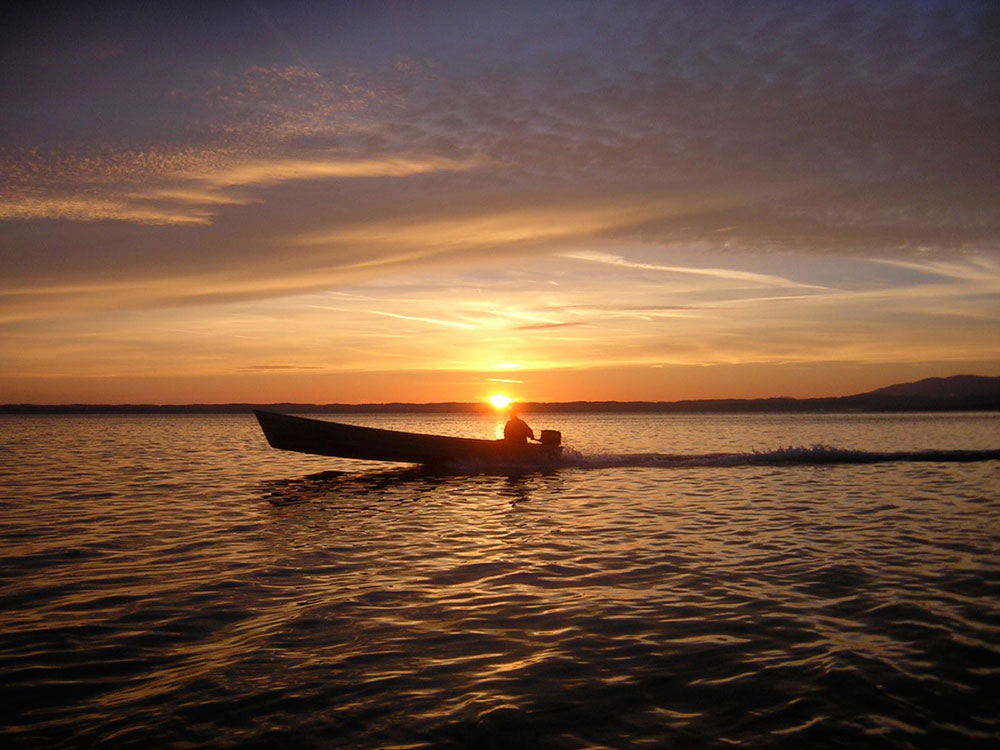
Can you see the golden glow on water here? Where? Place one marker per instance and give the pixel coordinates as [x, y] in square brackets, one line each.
[188, 565]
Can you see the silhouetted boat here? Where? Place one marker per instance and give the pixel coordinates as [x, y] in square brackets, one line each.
[323, 438]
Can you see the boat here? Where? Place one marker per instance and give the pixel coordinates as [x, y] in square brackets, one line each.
[322, 438]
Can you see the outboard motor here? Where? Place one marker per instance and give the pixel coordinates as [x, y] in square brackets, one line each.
[550, 437]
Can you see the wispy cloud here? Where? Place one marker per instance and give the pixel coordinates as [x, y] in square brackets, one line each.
[268, 172]
[79, 207]
[717, 273]
[525, 225]
[418, 319]
[546, 326]
[977, 269]
[180, 193]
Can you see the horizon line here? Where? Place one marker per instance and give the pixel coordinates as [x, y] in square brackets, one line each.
[977, 393]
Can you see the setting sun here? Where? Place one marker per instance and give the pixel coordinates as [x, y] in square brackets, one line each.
[499, 401]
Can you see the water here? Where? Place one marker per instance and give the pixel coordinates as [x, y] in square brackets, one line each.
[171, 581]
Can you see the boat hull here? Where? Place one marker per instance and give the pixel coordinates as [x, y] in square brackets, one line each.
[322, 438]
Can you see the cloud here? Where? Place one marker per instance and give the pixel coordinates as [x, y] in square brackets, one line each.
[545, 183]
[183, 188]
[717, 273]
[844, 128]
[276, 171]
[25, 207]
[486, 229]
[419, 319]
[979, 271]
[545, 326]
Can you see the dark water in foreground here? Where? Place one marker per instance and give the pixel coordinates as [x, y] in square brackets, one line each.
[173, 582]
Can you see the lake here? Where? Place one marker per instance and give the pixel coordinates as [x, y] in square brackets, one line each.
[683, 581]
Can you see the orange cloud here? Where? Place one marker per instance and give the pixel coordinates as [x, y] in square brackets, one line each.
[185, 188]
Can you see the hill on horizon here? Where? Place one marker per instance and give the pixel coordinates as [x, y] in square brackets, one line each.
[956, 386]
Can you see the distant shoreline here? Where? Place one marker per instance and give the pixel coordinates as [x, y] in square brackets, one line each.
[843, 405]
[955, 393]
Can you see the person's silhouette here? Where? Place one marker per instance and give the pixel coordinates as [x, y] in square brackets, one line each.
[516, 430]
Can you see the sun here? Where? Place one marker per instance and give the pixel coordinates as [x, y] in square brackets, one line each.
[500, 401]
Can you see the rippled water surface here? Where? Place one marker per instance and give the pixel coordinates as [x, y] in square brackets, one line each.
[171, 581]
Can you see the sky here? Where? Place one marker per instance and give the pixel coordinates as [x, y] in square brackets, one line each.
[427, 201]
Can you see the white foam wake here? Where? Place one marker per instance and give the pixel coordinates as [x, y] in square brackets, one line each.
[789, 456]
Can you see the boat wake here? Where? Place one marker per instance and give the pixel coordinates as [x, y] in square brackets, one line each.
[817, 455]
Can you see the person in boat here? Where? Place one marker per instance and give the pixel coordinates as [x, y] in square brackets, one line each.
[516, 431]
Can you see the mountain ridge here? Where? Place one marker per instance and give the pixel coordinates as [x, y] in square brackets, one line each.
[956, 386]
